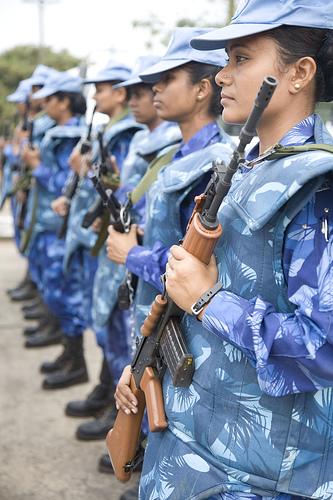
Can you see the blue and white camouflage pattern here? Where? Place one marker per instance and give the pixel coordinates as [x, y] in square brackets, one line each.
[173, 184]
[45, 218]
[109, 274]
[227, 435]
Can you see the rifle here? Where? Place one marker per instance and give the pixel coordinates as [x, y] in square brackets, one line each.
[202, 234]
[25, 119]
[120, 219]
[107, 167]
[24, 180]
[96, 210]
[73, 182]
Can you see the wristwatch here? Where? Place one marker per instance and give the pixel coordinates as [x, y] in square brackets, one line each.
[198, 306]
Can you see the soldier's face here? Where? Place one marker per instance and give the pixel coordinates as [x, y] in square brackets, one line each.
[175, 96]
[250, 60]
[106, 97]
[141, 104]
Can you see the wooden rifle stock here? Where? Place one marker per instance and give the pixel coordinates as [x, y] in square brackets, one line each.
[202, 234]
[123, 439]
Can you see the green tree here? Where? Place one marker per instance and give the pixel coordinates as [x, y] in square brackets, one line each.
[18, 63]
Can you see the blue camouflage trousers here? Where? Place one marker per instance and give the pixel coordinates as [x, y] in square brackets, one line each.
[62, 293]
[117, 347]
[89, 267]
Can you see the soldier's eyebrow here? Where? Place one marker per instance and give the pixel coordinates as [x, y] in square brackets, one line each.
[237, 45]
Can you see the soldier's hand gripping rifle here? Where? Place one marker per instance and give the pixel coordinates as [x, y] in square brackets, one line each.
[152, 353]
[73, 181]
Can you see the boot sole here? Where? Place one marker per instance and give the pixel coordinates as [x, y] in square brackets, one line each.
[49, 387]
[91, 437]
[44, 344]
[104, 469]
[91, 413]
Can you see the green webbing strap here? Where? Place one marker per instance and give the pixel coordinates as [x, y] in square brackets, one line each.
[102, 236]
[117, 118]
[27, 233]
[151, 175]
[282, 151]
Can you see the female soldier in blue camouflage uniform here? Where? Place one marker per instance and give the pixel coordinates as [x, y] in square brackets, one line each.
[116, 140]
[150, 142]
[50, 168]
[256, 421]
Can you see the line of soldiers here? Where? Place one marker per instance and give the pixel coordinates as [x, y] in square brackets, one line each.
[99, 216]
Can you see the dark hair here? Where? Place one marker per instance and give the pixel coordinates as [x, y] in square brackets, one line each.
[77, 102]
[296, 42]
[198, 71]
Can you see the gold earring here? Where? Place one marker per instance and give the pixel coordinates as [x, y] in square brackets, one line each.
[199, 97]
[297, 86]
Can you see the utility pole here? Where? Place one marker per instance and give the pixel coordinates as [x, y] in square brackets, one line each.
[41, 9]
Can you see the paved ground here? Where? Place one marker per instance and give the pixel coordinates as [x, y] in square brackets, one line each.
[39, 456]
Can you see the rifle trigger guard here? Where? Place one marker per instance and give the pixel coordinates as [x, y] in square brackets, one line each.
[124, 218]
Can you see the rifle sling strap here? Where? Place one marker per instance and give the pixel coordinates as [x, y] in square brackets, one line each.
[282, 151]
[151, 175]
[103, 234]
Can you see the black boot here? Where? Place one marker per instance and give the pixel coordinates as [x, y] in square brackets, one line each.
[37, 312]
[75, 369]
[27, 292]
[44, 323]
[59, 363]
[98, 399]
[21, 284]
[105, 465]
[50, 335]
[97, 429]
[28, 306]
[131, 494]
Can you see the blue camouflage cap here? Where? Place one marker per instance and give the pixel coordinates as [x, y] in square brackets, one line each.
[22, 92]
[141, 64]
[256, 16]
[113, 71]
[41, 74]
[60, 82]
[180, 52]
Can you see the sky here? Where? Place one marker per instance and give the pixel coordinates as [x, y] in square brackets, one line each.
[98, 29]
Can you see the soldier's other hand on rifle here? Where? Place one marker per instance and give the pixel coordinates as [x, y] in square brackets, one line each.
[60, 206]
[21, 196]
[187, 278]
[96, 226]
[119, 244]
[31, 157]
[114, 165]
[79, 163]
[125, 399]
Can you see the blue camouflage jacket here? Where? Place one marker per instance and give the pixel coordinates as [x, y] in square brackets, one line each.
[50, 176]
[110, 275]
[228, 432]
